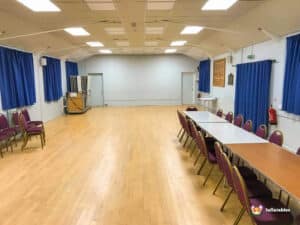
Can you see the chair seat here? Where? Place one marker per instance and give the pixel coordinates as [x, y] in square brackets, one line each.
[257, 189]
[10, 131]
[247, 173]
[34, 130]
[270, 218]
[35, 123]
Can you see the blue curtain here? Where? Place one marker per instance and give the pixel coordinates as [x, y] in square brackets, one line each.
[204, 76]
[252, 91]
[291, 89]
[71, 70]
[16, 78]
[52, 79]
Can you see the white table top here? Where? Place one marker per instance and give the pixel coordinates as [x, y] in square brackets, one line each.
[228, 133]
[207, 98]
[204, 117]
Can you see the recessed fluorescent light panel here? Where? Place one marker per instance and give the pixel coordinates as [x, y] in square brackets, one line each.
[101, 5]
[105, 51]
[115, 30]
[40, 5]
[191, 30]
[178, 43]
[160, 4]
[122, 43]
[77, 31]
[150, 43]
[218, 5]
[94, 44]
[171, 50]
[154, 30]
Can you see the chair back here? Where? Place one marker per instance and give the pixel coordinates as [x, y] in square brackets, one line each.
[220, 112]
[276, 137]
[179, 118]
[298, 151]
[248, 126]
[229, 117]
[219, 151]
[238, 120]
[15, 118]
[195, 135]
[185, 124]
[26, 115]
[22, 122]
[3, 122]
[262, 131]
[240, 188]
[227, 169]
[203, 149]
[191, 108]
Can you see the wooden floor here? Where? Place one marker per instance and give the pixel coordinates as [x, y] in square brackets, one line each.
[110, 166]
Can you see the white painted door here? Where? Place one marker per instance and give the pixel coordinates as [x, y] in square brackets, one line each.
[95, 90]
[187, 91]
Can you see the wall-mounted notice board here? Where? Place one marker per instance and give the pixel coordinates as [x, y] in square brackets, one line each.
[219, 73]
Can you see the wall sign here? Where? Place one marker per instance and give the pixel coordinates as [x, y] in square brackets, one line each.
[219, 73]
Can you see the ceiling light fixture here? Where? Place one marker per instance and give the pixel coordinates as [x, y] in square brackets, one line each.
[218, 5]
[94, 44]
[77, 31]
[40, 5]
[178, 43]
[105, 51]
[191, 30]
[171, 50]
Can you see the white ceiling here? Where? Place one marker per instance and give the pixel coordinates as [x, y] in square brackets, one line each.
[122, 24]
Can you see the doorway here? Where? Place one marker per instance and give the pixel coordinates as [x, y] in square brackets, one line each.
[187, 88]
[95, 90]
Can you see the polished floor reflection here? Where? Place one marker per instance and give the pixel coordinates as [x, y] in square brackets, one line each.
[110, 166]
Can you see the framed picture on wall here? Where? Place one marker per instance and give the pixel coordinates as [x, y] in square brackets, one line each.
[219, 73]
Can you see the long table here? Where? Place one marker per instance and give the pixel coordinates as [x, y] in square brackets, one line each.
[204, 117]
[279, 165]
[227, 133]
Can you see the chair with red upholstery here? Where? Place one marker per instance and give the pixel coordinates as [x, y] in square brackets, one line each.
[210, 157]
[220, 112]
[4, 141]
[29, 121]
[186, 128]
[238, 120]
[248, 126]
[229, 117]
[30, 130]
[256, 206]
[262, 131]
[11, 132]
[255, 187]
[276, 137]
[181, 125]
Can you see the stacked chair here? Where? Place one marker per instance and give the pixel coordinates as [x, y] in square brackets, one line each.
[31, 128]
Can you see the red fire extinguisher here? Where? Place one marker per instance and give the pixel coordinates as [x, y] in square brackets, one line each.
[272, 116]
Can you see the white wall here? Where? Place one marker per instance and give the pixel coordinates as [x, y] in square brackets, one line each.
[140, 79]
[42, 110]
[288, 123]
